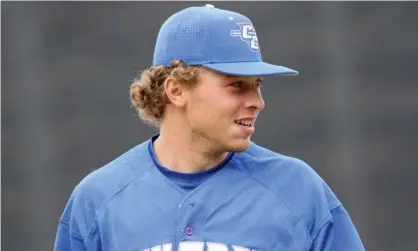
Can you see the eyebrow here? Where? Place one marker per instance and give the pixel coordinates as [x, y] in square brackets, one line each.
[232, 77]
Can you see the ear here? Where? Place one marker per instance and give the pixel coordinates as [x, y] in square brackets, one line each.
[175, 92]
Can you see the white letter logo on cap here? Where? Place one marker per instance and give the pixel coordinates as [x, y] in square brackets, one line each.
[247, 34]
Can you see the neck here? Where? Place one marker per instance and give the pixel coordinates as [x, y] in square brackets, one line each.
[180, 151]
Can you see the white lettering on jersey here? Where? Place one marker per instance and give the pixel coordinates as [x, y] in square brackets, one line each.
[156, 248]
[238, 248]
[196, 246]
[212, 246]
[191, 246]
[167, 247]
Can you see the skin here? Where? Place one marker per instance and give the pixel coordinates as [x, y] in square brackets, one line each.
[199, 126]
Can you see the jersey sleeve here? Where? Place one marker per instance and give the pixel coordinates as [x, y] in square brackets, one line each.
[338, 233]
[65, 241]
[77, 225]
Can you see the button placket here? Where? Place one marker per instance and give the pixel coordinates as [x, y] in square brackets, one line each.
[185, 219]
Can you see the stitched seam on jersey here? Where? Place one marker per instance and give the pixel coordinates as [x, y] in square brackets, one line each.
[332, 210]
[74, 236]
[65, 222]
[323, 224]
[279, 197]
[335, 206]
[77, 237]
[95, 223]
[326, 221]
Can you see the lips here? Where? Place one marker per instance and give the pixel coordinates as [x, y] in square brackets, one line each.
[246, 126]
[245, 122]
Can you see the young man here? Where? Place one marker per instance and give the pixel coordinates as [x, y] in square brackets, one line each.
[201, 184]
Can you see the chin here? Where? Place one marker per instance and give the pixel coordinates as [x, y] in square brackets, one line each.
[238, 145]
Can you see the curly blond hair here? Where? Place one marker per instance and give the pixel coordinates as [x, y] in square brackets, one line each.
[147, 92]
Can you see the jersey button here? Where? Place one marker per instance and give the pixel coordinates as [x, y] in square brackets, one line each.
[189, 230]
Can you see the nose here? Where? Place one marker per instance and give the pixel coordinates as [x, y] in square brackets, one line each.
[255, 101]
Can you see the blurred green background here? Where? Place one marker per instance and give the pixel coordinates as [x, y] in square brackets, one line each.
[352, 113]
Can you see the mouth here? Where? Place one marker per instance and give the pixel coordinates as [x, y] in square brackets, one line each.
[245, 122]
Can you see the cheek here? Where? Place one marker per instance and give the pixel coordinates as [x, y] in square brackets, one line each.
[211, 112]
[203, 113]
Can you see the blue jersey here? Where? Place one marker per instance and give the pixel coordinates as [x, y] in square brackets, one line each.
[254, 200]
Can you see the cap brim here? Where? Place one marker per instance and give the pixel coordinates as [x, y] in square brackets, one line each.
[251, 69]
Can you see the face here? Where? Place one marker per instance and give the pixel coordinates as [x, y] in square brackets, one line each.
[222, 109]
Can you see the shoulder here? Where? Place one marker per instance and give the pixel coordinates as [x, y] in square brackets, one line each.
[114, 176]
[294, 181]
[265, 163]
[100, 186]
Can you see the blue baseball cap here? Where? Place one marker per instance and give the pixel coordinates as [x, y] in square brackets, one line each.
[218, 39]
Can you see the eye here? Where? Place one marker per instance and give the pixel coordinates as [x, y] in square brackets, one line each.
[258, 83]
[238, 84]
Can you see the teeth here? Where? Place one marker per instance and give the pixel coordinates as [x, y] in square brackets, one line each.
[244, 122]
